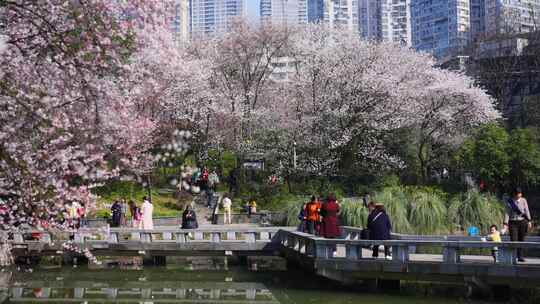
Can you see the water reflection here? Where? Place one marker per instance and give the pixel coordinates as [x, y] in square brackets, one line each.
[188, 292]
[203, 280]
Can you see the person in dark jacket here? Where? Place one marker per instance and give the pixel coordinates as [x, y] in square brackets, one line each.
[116, 210]
[189, 218]
[379, 227]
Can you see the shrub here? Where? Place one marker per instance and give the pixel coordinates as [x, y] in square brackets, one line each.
[396, 202]
[473, 208]
[353, 213]
[427, 212]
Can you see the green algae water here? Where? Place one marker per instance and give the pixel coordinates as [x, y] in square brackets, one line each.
[204, 281]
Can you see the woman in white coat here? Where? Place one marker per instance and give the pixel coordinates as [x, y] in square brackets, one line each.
[147, 209]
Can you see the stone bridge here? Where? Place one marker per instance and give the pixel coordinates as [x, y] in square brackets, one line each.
[348, 259]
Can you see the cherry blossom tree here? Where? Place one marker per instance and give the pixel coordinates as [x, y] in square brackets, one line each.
[71, 93]
[354, 93]
[241, 67]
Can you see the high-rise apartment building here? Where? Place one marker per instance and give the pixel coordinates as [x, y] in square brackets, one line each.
[369, 18]
[343, 13]
[511, 16]
[284, 12]
[396, 21]
[441, 27]
[181, 21]
[478, 17]
[387, 20]
[211, 17]
[315, 10]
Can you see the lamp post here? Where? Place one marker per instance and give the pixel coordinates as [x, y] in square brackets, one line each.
[294, 155]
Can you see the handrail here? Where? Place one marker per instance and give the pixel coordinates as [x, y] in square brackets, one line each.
[352, 232]
[322, 248]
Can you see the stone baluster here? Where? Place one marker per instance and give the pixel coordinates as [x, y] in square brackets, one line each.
[323, 251]
[251, 293]
[400, 253]
[181, 293]
[167, 236]
[451, 254]
[507, 255]
[265, 236]
[78, 238]
[291, 241]
[18, 237]
[215, 237]
[17, 292]
[250, 237]
[112, 293]
[78, 293]
[46, 292]
[113, 237]
[198, 236]
[146, 293]
[231, 236]
[353, 252]
[302, 246]
[180, 237]
[146, 237]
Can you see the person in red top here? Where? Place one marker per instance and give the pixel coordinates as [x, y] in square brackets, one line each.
[329, 212]
[312, 210]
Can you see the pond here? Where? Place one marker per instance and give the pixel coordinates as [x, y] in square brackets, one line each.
[204, 280]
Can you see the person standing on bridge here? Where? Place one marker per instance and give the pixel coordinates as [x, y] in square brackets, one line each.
[227, 205]
[135, 214]
[147, 210]
[379, 227]
[329, 212]
[116, 210]
[517, 219]
[189, 218]
[313, 209]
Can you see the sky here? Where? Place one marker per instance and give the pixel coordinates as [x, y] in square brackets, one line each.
[253, 8]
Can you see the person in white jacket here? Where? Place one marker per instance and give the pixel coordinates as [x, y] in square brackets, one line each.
[227, 204]
[147, 209]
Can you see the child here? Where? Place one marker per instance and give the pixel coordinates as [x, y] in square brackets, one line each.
[494, 236]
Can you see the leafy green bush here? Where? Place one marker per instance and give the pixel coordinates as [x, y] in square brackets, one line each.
[103, 213]
[396, 202]
[292, 208]
[353, 213]
[473, 208]
[427, 212]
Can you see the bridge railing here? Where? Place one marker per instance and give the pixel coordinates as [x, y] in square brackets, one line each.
[354, 233]
[322, 248]
[119, 235]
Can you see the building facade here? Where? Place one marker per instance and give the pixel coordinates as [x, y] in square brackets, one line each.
[369, 19]
[478, 18]
[315, 10]
[396, 21]
[214, 17]
[511, 16]
[342, 13]
[181, 21]
[284, 12]
[441, 27]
